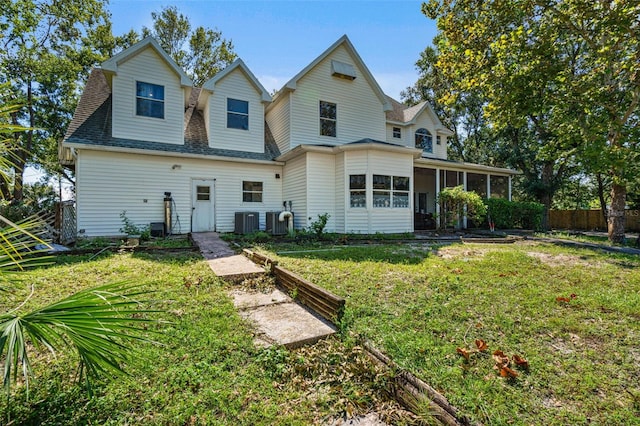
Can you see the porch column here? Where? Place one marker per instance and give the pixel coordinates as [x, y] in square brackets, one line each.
[438, 223]
[464, 218]
[509, 187]
[488, 185]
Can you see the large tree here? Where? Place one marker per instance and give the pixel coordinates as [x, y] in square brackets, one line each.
[202, 53]
[568, 70]
[47, 48]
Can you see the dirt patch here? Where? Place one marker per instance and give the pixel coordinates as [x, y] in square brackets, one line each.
[463, 252]
[559, 259]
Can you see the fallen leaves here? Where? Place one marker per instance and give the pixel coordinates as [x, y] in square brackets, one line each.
[563, 300]
[502, 361]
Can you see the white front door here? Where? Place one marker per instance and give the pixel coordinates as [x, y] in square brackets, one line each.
[202, 219]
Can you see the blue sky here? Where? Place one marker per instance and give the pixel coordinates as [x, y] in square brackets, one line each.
[276, 39]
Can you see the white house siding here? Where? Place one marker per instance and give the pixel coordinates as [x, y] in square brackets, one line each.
[403, 132]
[277, 118]
[294, 189]
[359, 111]
[321, 187]
[425, 120]
[341, 184]
[147, 67]
[109, 183]
[235, 85]
[375, 219]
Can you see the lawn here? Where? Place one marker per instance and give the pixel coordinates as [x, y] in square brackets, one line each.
[203, 367]
[573, 314]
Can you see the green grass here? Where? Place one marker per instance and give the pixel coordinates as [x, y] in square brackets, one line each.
[203, 368]
[585, 238]
[420, 305]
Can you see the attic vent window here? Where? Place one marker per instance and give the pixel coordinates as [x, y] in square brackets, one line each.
[342, 70]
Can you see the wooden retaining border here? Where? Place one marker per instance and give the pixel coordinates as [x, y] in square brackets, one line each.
[413, 393]
[324, 303]
[480, 240]
[408, 390]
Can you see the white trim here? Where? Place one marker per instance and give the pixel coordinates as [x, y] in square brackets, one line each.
[111, 64]
[210, 84]
[89, 147]
[344, 40]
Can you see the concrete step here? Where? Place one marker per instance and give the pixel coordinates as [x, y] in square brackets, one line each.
[277, 318]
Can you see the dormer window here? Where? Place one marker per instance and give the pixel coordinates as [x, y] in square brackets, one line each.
[424, 140]
[237, 114]
[328, 118]
[149, 100]
[397, 133]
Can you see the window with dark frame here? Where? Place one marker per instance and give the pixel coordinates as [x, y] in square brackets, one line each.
[358, 190]
[203, 193]
[397, 133]
[390, 191]
[149, 100]
[251, 191]
[424, 140]
[237, 114]
[328, 118]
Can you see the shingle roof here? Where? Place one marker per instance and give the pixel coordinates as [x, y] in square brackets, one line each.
[91, 125]
[403, 113]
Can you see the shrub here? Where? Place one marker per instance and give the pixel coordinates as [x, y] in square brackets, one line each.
[130, 228]
[317, 226]
[507, 214]
[453, 202]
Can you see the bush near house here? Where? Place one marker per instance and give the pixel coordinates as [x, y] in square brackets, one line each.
[507, 214]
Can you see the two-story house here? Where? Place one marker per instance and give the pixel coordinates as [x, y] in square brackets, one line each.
[330, 141]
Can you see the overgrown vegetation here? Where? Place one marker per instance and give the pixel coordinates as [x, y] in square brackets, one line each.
[571, 314]
[507, 214]
[318, 225]
[203, 368]
[456, 202]
[130, 228]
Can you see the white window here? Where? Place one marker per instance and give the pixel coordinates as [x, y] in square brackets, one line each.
[251, 191]
[328, 118]
[390, 191]
[424, 140]
[438, 139]
[237, 114]
[149, 100]
[397, 133]
[358, 190]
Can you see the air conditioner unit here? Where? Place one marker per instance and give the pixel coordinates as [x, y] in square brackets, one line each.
[247, 222]
[274, 226]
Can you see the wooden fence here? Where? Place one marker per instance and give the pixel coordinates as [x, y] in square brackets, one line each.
[589, 220]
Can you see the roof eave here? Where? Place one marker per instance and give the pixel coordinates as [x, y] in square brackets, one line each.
[103, 148]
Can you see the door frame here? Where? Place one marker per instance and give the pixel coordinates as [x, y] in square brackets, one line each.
[195, 182]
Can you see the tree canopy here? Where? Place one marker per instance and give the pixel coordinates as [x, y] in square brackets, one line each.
[46, 50]
[201, 52]
[566, 70]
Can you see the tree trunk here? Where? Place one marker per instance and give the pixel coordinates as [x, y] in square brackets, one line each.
[546, 199]
[616, 213]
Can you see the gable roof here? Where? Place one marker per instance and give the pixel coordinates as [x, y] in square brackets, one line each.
[342, 41]
[111, 65]
[408, 115]
[239, 64]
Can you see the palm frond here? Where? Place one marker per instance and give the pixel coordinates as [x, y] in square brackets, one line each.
[95, 322]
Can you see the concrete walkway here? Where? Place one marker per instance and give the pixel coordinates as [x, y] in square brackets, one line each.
[278, 319]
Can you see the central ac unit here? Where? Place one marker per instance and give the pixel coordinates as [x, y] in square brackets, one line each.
[274, 226]
[247, 222]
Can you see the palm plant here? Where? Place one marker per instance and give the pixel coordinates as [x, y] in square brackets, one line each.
[97, 323]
